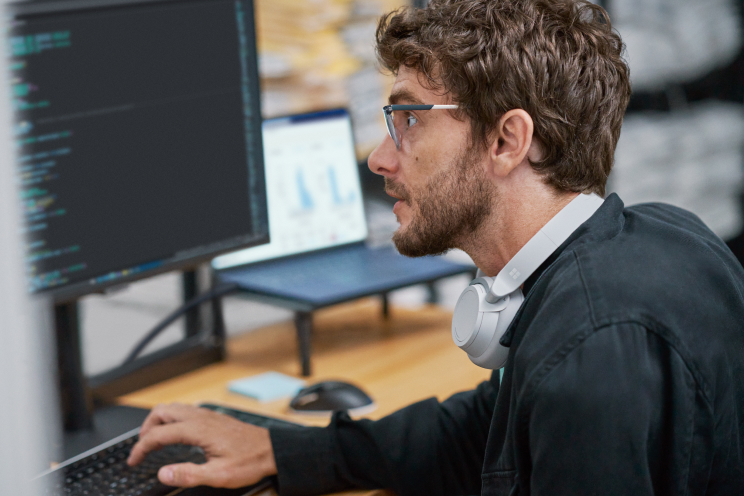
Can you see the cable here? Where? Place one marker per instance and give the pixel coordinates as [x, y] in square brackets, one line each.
[214, 293]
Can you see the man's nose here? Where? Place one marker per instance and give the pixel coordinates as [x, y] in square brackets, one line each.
[384, 159]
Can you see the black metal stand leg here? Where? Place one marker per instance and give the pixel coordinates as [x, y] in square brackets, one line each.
[432, 293]
[304, 325]
[219, 332]
[385, 305]
[77, 404]
[190, 290]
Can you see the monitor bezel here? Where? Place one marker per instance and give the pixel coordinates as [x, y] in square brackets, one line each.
[73, 291]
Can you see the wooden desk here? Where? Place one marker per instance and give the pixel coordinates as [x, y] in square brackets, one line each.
[398, 361]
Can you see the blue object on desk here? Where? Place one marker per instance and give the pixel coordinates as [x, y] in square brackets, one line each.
[268, 386]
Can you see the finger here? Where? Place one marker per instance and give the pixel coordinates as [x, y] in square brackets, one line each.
[160, 414]
[162, 435]
[166, 414]
[186, 475]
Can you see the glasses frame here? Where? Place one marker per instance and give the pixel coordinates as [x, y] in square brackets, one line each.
[387, 112]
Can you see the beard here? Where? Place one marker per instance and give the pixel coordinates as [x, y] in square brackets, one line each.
[450, 206]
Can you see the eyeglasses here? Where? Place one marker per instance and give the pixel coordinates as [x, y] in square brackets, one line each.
[395, 130]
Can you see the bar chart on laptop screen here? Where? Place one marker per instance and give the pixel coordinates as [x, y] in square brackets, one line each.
[313, 188]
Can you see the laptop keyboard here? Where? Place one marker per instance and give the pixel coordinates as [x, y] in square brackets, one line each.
[106, 473]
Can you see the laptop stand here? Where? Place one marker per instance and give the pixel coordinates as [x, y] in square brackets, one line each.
[386, 270]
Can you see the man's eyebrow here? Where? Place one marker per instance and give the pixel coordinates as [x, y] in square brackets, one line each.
[404, 97]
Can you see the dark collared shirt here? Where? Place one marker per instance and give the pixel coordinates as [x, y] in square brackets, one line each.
[625, 377]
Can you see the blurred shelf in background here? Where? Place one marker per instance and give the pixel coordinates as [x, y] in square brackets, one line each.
[320, 54]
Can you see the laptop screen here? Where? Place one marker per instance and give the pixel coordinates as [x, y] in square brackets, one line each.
[312, 187]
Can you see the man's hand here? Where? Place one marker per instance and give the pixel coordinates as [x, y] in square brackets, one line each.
[238, 454]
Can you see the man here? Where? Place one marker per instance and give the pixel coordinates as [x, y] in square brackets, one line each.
[626, 364]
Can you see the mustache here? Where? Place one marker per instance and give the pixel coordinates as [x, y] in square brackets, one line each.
[396, 190]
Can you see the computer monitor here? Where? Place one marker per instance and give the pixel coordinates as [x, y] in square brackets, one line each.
[138, 136]
[313, 187]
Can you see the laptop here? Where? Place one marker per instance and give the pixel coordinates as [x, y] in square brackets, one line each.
[317, 255]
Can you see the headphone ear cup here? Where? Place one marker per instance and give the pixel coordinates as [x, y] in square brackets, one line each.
[495, 354]
[477, 325]
[469, 331]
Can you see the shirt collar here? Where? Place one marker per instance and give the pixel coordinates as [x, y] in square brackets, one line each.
[604, 224]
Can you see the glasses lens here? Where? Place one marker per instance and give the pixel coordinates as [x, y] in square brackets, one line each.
[391, 126]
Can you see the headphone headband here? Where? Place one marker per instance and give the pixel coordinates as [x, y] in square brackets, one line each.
[543, 244]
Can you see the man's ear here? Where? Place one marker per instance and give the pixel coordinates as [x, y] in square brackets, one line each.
[511, 142]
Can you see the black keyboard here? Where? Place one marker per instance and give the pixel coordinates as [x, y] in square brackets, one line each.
[104, 472]
[251, 418]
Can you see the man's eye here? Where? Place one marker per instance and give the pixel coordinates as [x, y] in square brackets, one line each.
[411, 120]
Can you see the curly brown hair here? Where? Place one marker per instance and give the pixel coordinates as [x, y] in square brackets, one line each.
[559, 60]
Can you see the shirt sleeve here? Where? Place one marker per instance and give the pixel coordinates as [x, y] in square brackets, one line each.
[613, 416]
[428, 448]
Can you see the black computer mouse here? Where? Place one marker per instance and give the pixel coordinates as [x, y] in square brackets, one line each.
[331, 396]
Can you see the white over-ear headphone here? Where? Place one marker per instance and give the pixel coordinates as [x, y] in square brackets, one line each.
[488, 305]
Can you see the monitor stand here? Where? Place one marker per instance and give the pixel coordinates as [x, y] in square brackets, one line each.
[89, 413]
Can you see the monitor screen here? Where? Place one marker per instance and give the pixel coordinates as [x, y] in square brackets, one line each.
[313, 188]
[138, 137]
